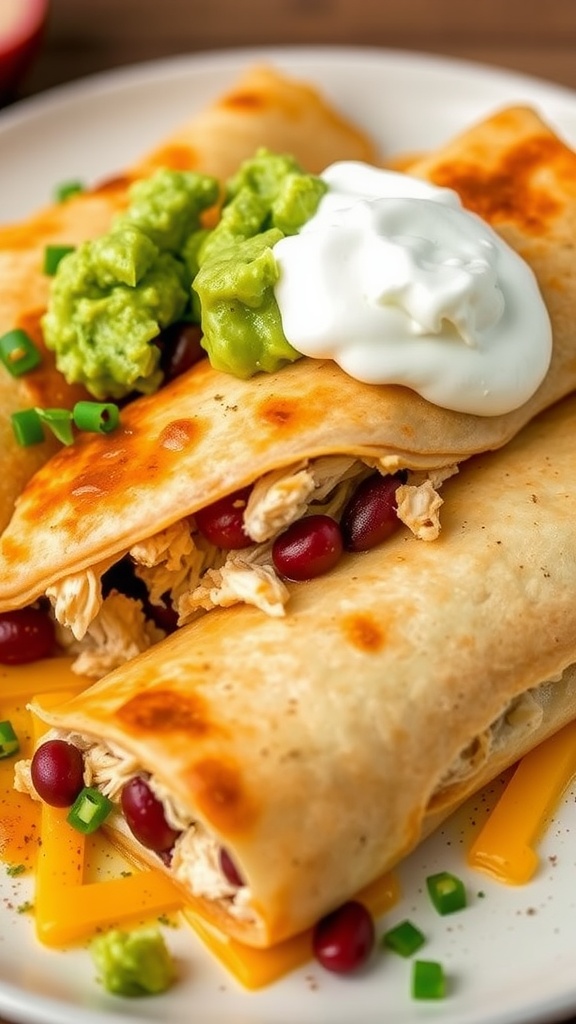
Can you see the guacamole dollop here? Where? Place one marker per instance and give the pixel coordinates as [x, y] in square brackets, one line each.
[233, 267]
[133, 963]
[112, 296]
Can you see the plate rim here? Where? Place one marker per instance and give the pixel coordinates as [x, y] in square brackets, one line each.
[131, 73]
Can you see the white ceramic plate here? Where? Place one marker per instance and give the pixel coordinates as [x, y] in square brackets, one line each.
[510, 955]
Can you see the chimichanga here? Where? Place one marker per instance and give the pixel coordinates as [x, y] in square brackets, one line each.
[280, 445]
[316, 749]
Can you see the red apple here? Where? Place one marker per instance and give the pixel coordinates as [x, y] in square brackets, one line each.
[21, 26]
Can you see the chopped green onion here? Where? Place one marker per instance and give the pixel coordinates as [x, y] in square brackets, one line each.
[18, 352]
[13, 870]
[52, 256]
[9, 743]
[27, 427]
[59, 422]
[446, 892]
[101, 417]
[67, 189]
[89, 810]
[405, 938]
[428, 980]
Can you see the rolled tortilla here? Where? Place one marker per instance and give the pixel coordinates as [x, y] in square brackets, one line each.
[318, 748]
[264, 108]
[208, 434]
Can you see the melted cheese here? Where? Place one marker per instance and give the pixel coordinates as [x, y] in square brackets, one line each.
[255, 968]
[504, 848]
[67, 909]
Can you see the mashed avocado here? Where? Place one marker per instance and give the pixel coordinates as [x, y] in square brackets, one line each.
[112, 297]
[240, 317]
[234, 279]
[135, 963]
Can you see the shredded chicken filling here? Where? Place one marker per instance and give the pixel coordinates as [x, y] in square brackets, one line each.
[523, 715]
[195, 860]
[178, 565]
[195, 857]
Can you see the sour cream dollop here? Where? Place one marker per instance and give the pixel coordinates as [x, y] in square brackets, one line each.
[394, 280]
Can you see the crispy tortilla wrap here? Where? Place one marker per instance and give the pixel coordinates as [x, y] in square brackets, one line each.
[262, 108]
[319, 747]
[302, 436]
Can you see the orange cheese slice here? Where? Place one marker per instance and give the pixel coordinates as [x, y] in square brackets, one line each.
[67, 909]
[504, 848]
[255, 968]
[20, 817]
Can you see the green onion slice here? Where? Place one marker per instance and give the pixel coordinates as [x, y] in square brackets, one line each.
[66, 189]
[59, 421]
[428, 980]
[9, 743]
[18, 352]
[52, 256]
[405, 938]
[447, 892]
[28, 424]
[27, 427]
[89, 810]
[101, 417]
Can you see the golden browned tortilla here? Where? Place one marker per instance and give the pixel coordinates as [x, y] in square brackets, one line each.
[263, 108]
[318, 748]
[208, 433]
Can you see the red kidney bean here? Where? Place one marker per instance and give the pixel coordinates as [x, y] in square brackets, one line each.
[309, 547]
[180, 348]
[57, 770]
[370, 515]
[145, 816]
[229, 869]
[343, 940]
[222, 523]
[26, 634]
[164, 616]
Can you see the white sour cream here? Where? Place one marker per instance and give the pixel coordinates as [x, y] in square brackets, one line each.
[399, 284]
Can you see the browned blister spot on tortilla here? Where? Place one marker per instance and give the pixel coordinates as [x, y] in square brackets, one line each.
[219, 795]
[112, 186]
[290, 414]
[78, 475]
[147, 445]
[179, 434]
[246, 100]
[521, 189]
[364, 632]
[163, 711]
[279, 412]
[29, 321]
[104, 476]
[43, 226]
[15, 551]
[176, 156]
[45, 386]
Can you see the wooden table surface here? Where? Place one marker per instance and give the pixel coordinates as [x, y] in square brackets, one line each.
[86, 36]
[535, 36]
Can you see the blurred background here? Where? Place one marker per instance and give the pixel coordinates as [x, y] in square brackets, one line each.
[85, 36]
